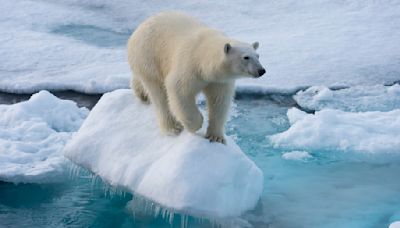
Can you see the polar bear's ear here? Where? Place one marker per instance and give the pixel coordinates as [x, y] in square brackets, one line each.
[255, 45]
[227, 48]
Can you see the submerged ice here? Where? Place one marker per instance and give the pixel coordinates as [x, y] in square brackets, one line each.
[296, 155]
[32, 135]
[120, 141]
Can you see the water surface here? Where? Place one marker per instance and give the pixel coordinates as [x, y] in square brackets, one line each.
[331, 189]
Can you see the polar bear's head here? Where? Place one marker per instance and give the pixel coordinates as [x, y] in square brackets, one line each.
[242, 59]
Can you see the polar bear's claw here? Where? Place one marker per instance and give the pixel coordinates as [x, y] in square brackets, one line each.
[214, 138]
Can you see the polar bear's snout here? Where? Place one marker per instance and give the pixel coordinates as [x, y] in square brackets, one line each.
[255, 68]
[261, 72]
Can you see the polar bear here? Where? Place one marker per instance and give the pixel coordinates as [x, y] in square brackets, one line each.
[173, 57]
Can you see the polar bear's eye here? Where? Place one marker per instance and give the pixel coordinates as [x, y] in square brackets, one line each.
[246, 57]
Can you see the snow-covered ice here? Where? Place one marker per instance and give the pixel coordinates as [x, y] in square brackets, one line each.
[330, 129]
[296, 155]
[121, 142]
[34, 57]
[32, 135]
[357, 98]
[80, 45]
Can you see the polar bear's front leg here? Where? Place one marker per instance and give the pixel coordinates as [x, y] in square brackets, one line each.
[219, 97]
[182, 102]
[158, 97]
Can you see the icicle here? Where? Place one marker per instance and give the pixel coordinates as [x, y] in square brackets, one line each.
[184, 221]
[156, 211]
[171, 217]
[139, 206]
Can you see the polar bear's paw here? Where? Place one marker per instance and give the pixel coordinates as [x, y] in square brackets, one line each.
[195, 123]
[216, 138]
[176, 129]
[144, 99]
[173, 128]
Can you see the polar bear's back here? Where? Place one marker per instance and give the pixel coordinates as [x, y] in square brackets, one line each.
[157, 40]
[169, 39]
[175, 24]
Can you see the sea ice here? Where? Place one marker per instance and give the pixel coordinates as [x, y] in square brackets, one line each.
[357, 98]
[120, 141]
[80, 45]
[296, 155]
[32, 135]
[330, 129]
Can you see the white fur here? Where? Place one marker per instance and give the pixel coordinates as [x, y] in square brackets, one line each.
[174, 57]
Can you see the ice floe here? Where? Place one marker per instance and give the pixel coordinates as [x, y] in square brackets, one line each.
[80, 45]
[329, 129]
[32, 135]
[357, 98]
[121, 142]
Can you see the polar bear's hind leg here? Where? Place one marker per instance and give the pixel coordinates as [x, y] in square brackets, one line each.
[139, 90]
[182, 101]
[158, 97]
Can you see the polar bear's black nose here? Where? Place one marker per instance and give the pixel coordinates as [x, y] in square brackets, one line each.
[261, 72]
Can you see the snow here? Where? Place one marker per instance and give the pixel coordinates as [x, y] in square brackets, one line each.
[32, 135]
[330, 129]
[32, 52]
[80, 45]
[121, 142]
[296, 155]
[357, 98]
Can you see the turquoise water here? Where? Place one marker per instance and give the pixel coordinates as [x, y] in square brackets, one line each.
[93, 35]
[331, 189]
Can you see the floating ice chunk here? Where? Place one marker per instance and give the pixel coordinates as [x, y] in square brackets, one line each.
[121, 142]
[372, 132]
[357, 98]
[295, 115]
[32, 134]
[296, 155]
[395, 224]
